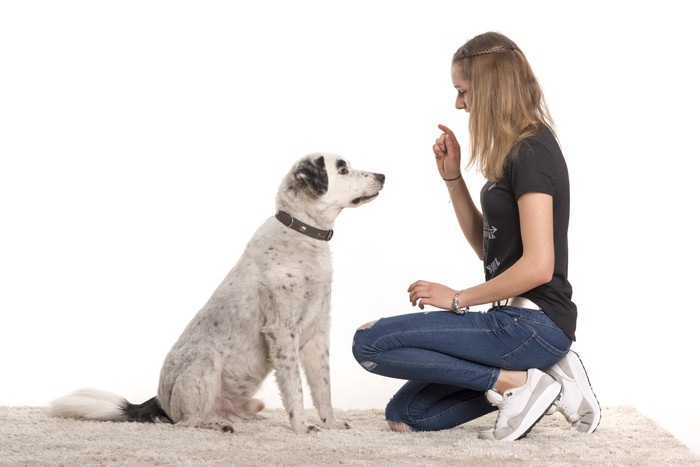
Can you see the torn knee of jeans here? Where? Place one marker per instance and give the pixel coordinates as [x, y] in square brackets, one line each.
[367, 325]
[369, 366]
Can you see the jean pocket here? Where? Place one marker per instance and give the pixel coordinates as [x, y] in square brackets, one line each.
[502, 319]
[535, 352]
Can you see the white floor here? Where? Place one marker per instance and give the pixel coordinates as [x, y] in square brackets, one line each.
[686, 429]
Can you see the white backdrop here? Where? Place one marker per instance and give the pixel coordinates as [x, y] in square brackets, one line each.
[142, 143]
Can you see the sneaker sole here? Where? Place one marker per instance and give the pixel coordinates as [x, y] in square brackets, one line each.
[536, 412]
[589, 422]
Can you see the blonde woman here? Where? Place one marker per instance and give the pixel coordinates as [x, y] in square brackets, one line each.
[515, 357]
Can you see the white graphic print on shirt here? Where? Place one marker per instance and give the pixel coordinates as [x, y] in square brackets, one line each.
[493, 267]
[490, 234]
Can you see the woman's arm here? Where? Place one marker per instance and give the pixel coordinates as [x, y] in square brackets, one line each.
[469, 217]
[534, 268]
[448, 159]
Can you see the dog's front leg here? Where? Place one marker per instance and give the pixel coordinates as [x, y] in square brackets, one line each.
[283, 345]
[315, 360]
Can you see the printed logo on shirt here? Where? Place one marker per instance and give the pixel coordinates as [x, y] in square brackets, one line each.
[490, 232]
[493, 267]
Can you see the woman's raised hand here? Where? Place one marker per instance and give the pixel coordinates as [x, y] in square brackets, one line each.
[447, 154]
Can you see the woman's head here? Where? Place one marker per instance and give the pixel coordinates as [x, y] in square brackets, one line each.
[496, 85]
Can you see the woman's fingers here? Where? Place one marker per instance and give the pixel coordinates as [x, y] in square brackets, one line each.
[441, 143]
[419, 293]
[423, 293]
[445, 129]
[439, 148]
[449, 155]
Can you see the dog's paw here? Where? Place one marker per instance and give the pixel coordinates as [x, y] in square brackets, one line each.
[337, 425]
[312, 429]
[216, 425]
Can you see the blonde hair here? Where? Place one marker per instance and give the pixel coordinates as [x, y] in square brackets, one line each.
[507, 104]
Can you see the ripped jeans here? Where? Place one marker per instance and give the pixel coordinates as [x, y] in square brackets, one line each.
[451, 360]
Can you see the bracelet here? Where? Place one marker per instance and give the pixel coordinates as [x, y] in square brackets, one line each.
[452, 179]
[455, 305]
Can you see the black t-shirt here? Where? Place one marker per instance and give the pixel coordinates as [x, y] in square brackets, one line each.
[538, 166]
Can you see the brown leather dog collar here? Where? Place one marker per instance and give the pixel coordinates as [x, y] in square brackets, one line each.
[306, 229]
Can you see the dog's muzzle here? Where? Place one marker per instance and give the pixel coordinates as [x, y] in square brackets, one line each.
[362, 199]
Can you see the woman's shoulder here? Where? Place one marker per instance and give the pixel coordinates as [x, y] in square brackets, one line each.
[543, 142]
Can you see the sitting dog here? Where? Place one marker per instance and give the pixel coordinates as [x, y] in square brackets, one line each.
[270, 312]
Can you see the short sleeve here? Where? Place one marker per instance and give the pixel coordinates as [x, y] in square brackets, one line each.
[532, 170]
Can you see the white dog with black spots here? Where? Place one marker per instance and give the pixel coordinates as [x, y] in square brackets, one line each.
[272, 311]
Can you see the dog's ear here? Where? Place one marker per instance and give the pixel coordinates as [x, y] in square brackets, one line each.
[312, 173]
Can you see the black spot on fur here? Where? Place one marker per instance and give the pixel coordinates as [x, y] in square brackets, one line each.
[312, 173]
[148, 412]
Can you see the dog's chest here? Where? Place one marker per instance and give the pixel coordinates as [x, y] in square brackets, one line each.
[282, 252]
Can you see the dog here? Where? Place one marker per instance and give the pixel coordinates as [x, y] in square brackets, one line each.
[271, 312]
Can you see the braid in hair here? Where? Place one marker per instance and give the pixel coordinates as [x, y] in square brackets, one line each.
[499, 48]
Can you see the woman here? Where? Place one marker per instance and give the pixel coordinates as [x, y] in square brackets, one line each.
[516, 356]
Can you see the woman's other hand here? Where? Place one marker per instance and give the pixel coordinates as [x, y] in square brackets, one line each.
[423, 293]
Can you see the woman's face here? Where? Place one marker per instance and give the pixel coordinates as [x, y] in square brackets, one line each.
[464, 89]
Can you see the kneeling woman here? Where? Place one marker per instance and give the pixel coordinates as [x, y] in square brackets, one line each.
[516, 357]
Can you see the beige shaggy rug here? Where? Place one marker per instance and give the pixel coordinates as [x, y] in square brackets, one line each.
[30, 437]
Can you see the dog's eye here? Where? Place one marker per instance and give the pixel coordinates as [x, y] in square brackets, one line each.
[343, 171]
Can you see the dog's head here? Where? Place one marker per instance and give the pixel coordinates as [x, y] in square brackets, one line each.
[329, 180]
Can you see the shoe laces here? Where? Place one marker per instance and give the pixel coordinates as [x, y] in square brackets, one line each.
[500, 401]
[570, 413]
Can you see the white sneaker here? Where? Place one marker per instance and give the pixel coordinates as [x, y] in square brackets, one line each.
[521, 408]
[578, 403]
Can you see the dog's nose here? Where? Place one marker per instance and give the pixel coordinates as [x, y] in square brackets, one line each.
[380, 177]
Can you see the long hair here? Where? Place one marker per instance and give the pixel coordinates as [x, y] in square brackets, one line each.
[507, 104]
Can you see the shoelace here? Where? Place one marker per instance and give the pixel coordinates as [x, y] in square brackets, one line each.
[500, 401]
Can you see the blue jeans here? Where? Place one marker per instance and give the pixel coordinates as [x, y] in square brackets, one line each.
[451, 360]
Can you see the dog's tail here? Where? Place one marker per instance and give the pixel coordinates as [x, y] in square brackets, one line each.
[92, 404]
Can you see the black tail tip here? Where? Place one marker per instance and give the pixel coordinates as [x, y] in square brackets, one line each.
[148, 412]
